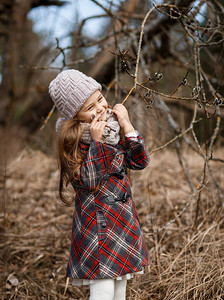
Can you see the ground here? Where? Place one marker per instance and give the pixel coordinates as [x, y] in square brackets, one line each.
[183, 230]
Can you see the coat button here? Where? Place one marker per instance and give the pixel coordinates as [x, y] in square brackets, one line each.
[119, 175]
[104, 225]
[124, 200]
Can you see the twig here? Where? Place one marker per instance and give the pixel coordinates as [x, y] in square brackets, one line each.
[140, 42]
[175, 138]
[48, 117]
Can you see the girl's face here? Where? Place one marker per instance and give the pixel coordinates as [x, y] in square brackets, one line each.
[96, 104]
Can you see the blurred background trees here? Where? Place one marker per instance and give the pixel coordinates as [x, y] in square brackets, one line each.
[21, 49]
[165, 59]
[182, 42]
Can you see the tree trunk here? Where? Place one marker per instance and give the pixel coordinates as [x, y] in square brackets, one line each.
[12, 20]
[12, 17]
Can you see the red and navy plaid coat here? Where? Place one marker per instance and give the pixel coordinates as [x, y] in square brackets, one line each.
[107, 239]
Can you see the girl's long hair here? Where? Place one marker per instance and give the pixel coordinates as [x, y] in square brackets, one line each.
[70, 156]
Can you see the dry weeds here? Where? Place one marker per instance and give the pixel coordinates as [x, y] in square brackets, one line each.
[186, 263]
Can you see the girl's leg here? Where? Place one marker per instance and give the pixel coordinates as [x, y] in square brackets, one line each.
[120, 289]
[102, 289]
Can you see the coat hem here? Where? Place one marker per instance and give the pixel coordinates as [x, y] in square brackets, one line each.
[80, 282]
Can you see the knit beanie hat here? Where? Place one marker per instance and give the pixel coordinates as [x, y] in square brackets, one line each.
[70, 90]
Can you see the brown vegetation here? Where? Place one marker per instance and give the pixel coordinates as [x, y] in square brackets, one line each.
[186, 262]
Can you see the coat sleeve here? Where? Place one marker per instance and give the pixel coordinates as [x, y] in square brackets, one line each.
[96, 164]
[136, 156]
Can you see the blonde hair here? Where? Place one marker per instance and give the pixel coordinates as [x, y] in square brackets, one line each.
[70, 156]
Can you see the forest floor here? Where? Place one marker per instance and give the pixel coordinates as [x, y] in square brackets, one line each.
[187, 254]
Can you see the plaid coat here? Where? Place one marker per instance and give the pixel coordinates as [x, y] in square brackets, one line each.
[107, 240]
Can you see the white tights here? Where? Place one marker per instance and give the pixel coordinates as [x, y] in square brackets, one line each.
[108, 289]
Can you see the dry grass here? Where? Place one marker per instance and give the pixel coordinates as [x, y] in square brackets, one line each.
[186, 263]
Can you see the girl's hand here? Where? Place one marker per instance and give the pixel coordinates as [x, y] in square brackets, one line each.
[123, 118]
[97, 128]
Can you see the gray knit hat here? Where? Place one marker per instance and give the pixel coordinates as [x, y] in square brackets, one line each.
[70, 90]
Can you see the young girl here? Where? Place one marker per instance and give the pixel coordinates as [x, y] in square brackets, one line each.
[107, 245]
